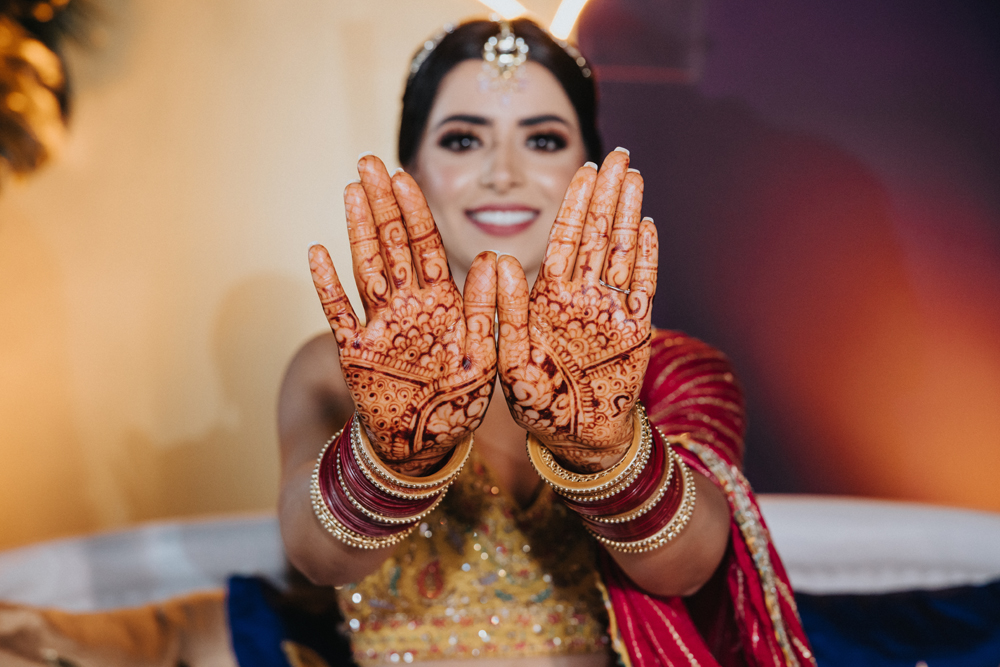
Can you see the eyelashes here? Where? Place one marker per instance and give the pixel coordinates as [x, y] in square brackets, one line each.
[549, 142]
[460, 141]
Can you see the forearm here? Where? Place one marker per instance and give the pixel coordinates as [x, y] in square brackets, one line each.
[311, 549]
[685, 564]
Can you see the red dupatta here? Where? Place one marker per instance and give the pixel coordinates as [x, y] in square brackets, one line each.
[745, 616]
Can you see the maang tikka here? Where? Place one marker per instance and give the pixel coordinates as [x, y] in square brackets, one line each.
[503, 55]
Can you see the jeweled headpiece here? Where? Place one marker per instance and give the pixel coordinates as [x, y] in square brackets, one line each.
[503, 53]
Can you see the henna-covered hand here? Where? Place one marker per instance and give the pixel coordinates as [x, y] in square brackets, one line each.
[573, 353]
[422, 369]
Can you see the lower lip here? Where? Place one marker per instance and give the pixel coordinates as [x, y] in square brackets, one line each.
[502, 230]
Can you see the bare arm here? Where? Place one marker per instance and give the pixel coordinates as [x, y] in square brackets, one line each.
[418, 374]
[314, 403]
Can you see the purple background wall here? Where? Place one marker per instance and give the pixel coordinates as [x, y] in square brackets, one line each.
[827, 189]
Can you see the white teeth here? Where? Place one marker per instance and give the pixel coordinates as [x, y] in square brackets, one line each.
[503, 218]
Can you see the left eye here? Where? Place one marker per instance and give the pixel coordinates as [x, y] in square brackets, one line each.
[546, 142]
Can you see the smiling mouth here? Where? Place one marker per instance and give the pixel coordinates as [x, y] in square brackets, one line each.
[502, 220]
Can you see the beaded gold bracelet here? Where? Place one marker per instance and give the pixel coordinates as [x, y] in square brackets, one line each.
[671, 530]
[593, 487]
[378, 475]
[665, 478]
[335, 527]
[407, 486]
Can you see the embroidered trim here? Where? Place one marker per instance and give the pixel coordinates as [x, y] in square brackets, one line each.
[756, 536]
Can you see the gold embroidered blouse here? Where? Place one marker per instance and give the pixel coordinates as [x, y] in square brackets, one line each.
[482, 578]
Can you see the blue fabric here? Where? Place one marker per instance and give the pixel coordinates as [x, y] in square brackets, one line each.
[956, 627]
[262, 618]
[255, 628]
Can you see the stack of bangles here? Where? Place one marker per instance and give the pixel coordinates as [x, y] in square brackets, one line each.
[366, 505]
[639, 504]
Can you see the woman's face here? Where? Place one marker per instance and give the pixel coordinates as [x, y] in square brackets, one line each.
[495, 165]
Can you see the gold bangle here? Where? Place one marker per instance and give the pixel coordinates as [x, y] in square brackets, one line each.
[601, 485]
[337, 529]
[381, 517]
[652, 501]
[441, 478]
[672, 528]
[381, 484]
[620, 484]
[638, 420]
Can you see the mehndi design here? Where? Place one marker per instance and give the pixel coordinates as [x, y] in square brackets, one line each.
[421, 371]
[573, 353]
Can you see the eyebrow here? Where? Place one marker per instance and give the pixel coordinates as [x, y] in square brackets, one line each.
[480, 120]
[538, 120]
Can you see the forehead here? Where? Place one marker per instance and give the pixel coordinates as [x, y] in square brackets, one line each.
[466, 89]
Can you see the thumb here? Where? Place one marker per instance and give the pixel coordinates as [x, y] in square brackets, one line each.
[512, 311]
[480, 306]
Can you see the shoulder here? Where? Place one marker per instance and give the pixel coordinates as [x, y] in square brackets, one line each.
[666, 345]
[677, 359]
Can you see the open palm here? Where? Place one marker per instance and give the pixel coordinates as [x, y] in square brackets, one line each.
[573, 352]
[422, 369]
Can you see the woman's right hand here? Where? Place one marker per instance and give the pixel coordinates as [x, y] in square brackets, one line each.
[422, 369]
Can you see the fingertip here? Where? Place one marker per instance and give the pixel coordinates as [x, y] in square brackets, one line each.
[370, 164]
[633, 170]
[363, 155]
[592, 165]
[487, 256]
[397, 170]
[619, 149]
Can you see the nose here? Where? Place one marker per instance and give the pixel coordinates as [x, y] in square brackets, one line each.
[502, 171]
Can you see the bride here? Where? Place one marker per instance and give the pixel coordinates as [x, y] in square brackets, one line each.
[593, 508]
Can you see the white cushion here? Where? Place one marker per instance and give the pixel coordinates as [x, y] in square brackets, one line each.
[828, 545]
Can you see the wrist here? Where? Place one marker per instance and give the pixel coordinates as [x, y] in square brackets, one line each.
[584, 456]
[425, 461]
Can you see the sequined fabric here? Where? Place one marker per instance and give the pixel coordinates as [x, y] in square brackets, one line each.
[482, 578]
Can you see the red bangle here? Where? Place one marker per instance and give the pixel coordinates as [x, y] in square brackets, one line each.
[648, 524]
[371, 497]
[337, 502]
[642, 488]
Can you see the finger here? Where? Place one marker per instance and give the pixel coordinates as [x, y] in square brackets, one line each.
[480, 307]
[624, 233]
[431, 262]
[564, 237]
[512, 312]
[388, 221]
[600, 214]
[336, 306]
[369, 269]
[643, 287]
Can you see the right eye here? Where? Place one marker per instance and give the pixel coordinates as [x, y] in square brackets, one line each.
[459, 141]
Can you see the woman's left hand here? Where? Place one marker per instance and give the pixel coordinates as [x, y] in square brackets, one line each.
[573, 353]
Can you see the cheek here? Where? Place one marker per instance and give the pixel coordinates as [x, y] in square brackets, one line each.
[444, 184]
[553, 180]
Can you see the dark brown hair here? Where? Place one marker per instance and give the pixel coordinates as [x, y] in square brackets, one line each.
[466, 43]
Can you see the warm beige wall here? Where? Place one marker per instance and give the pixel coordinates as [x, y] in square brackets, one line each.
[153, 281]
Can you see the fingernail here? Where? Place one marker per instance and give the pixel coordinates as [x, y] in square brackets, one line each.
[365, 154]
[647, 218]
[397, 170]
[633, 171]
[312, 244]
[590, 164]
[623, 150]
